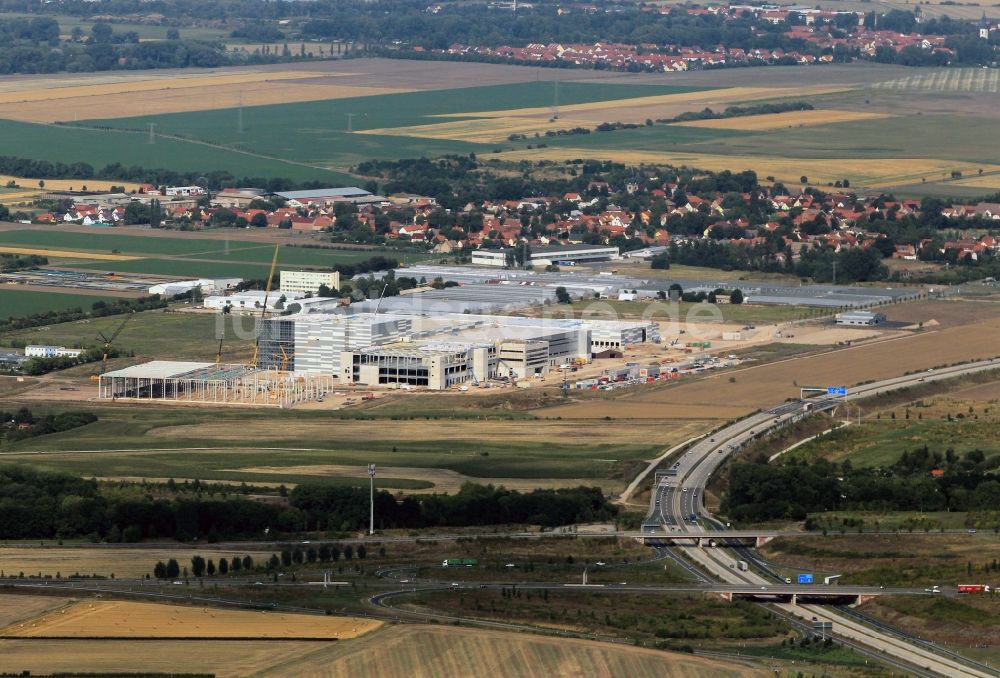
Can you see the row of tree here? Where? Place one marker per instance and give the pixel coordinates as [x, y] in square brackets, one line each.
[206, 567]
[98, 309]
[23, 424]
[40, 505]
[760, 491]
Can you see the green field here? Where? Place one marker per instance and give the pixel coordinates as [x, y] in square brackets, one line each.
[130, 441]
[152, 334]
[16, 303]
[318, 133]
[99, 148]
[187, 256]
[880, 442]
[940, 137]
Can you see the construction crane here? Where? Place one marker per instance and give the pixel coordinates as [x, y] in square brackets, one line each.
[218, 356]
[108, 341]
[263, 310]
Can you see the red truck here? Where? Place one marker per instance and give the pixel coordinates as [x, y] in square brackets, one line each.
[973, 588]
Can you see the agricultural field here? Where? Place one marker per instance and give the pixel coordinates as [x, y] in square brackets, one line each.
[224, 659]
[318, 120]
[320, 134]
[762, 123]
[18, 608]
[103, 147]
[427, 651]
[15, 302]
[174, 256]
[106, 560]
[434, 454]
[126, 619]
[149, 335]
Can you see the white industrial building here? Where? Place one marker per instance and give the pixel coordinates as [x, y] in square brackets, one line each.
[51, 352]
[860, 318]
[565, 255]
[436, 350]
[207, 285]
[252, 299]
[308, 281]
[313, 343]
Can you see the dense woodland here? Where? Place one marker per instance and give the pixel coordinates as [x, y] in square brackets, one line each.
[41, 505]
[760, 491]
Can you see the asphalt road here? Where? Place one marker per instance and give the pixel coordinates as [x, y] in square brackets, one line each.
[677, 502]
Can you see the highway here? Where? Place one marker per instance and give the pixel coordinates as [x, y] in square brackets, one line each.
[677, 505]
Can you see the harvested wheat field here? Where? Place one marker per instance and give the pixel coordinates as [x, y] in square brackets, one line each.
[771, 384]
[761, 123]
[482, 130]
[16, 608]
[639, 108]
[866, 171]
[429, 652]
[57, 100]
[128, 619]
[66, 254]
[225, 659]
[30, 187]
[120, 561]
[984, 181]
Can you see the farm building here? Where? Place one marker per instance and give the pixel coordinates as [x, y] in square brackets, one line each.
[860, 318]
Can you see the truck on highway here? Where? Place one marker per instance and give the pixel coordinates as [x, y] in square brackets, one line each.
[742, 565]
[973, 588]
[459, 562]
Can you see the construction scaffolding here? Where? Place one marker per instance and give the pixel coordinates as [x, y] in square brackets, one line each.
[208, 383]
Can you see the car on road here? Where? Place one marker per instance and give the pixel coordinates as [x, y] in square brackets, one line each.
[599, 563]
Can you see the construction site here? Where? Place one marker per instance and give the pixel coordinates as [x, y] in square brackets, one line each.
[457, 337]
[209, 383]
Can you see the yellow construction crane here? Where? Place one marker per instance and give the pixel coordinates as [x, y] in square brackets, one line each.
[263, 310]
[107, 345]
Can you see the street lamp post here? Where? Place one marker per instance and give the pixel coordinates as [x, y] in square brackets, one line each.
[371, 499]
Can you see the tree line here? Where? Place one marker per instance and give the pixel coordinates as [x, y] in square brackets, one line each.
[98, 309]
[23, 424]
[759, 491]
[19, 262]
[43, 505]
[215, 179]
[289, 557]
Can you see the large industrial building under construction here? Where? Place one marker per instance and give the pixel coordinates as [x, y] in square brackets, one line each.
[436, 351]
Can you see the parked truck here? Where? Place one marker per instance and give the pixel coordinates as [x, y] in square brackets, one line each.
[459, 562]
[973, 588]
